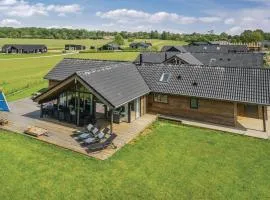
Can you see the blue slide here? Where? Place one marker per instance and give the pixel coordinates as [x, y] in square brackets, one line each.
[3, 103]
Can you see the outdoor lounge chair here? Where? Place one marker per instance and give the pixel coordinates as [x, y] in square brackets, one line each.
[99, 136]
[86, 134]
[102, 145]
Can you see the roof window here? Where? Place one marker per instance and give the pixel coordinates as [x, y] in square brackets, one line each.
[165, 77]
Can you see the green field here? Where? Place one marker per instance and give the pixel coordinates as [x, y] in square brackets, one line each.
[167, 162]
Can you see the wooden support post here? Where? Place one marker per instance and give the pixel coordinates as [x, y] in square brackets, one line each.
[235, 113]
[78, 109]
[264, 121]
[58, 102]
[111, 121]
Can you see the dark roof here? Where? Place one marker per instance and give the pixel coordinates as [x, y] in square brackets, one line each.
[118, 84]
[188, 58]
[69, 66]
[215, 48]
[201, 43]
[140, 44]
[25, 46]
[231, 59]
[207, 48]
[174, 48]
[224, 83]
[212, 59]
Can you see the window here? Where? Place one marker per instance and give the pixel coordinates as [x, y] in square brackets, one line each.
[161, 98]
[194, 103]
[165, 77]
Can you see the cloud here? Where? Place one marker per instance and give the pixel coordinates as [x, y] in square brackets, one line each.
[73, 8]
[229, 21]
[23, 8]
[136, 16]
[235, 30]
[209, 19]
[9, 22]
[7, 2]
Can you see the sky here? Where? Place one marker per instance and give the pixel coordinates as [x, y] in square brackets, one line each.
[178, 16]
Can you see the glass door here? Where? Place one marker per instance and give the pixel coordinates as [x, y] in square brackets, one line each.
[137, 107]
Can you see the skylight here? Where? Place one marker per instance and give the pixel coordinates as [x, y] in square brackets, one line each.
[165, 77]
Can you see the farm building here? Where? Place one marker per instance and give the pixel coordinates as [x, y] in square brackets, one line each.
[84, 91]
[74, 47]
[140, 45]
[110, 47]
[24, 48]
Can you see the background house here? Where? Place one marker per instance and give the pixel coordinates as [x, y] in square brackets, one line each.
[24, 48]
[140, 45]
[110, 47]
[74, 47]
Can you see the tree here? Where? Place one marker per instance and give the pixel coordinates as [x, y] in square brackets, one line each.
[118, 39]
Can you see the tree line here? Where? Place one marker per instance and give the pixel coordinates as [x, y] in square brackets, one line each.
[70, 34]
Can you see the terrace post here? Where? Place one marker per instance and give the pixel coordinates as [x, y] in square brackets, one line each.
[111, 124]
[263, 115]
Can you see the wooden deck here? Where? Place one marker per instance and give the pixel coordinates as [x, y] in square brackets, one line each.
[25, 113]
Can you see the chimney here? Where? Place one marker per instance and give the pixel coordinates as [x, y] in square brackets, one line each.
[141, 59]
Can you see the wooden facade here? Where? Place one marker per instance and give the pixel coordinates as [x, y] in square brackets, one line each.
[213, 111]
[52, 83]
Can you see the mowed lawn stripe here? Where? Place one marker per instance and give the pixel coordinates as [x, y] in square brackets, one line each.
[167, 162]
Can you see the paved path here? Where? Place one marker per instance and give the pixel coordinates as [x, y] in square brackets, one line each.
[248, 132]
[35, 57]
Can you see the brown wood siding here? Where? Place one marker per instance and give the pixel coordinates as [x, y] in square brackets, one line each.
[52, 83]
[143, 105]
[219, 112]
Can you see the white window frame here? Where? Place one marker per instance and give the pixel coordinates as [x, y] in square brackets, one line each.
[162, 77]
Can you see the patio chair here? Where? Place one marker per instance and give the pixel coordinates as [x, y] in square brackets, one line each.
[102, 145]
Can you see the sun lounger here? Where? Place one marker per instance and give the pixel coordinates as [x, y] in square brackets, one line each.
[98, 136]
[102, 145]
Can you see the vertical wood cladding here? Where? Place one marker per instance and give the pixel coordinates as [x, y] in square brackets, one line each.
[52, 83]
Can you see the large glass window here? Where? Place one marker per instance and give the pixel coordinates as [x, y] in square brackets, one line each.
[161, 98]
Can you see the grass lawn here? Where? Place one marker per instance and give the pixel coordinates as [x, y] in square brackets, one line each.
[166, 162]
[21, 78]
[123, 56]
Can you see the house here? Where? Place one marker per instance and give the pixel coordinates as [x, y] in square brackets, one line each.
[207, 59]
[74, 47]
[24, 48]
[200, 43]
[140, 45]
[83, 91]
[207, 48]
[265, 44]
[110, 47]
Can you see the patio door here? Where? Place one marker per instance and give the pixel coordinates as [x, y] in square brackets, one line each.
[138, 108]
